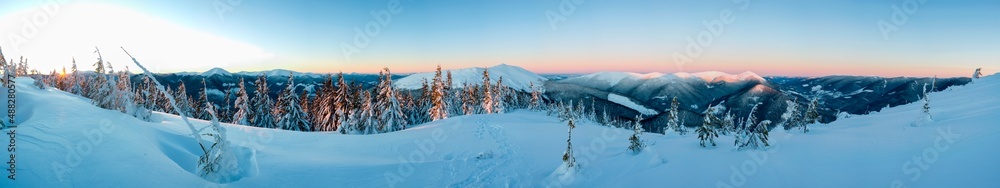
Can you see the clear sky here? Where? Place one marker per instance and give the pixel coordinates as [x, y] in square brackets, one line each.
[777, 37]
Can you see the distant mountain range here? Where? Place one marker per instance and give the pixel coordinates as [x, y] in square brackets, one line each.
[626, 95]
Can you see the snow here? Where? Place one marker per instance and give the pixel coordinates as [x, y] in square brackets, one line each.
[63, 141]
[627, 102]
[613, 78]
[514, 77]
[216, 71]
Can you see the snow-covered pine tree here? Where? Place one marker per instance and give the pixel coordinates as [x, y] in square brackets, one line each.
[306, 105]
[753, 134]
[812, 113]
[793, 116]
[293, 118]
[926, 117]
[264, 109]
[635, 142]
[500, 96]
[707, 131]
[202, 102]
[341, 102]
[74, 77]
[242, 106]
[568, 158]
[225, 113]
[673, 117]
[536, 100]
[488, 102]
[978, 73]
[439, 108]
[184, 101]
[392, 118]
[321, 109]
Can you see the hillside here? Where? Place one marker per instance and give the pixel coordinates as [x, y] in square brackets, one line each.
[63, 141]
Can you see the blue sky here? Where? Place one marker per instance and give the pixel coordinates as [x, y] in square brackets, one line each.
[784, 37]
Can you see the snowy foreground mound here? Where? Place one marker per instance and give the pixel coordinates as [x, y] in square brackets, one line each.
[63, 141]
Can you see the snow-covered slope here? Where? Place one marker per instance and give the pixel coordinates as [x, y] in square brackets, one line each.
[515, 77]
[627, 102]
[63, 141]
[216, 71]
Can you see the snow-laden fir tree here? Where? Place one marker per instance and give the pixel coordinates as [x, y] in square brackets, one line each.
[488, 101]
[341, 102]
[392, 118]
[536, 97]
[264, 108]
[977, 74]
[74, 77]
[793, 116]
[926, 116]
[812, 113]
[293, 117]
[184, 102]
[568, 158]
[673, 117]
[753, 134]
[322, 108]
[202, 102]
[500, 95]
[707, 131]
[439, 108]
[242, 106]
[226, 114]
[635, 142]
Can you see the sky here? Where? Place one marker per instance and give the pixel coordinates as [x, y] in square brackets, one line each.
[771, 38]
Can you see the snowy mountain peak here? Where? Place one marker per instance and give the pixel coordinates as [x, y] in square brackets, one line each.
[216, 71]
[613, 78]
[513, 76]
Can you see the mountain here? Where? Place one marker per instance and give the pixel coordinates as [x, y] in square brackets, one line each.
[625, 95]
[515, 77]
[281, 72]
[64, 141]
[216, 71]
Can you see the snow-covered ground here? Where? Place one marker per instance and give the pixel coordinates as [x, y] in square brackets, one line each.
[627, 102]
[63, 141]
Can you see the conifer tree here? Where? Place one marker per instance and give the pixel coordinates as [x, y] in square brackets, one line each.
[184, 101]
[74, 77]
[793, 116]
[536, 97]
[202, 102]
[636, 144]
[487, 104]
[439, 108]
[264, 108]
[293, 117]
[392, 118]
[977, 74]
[568, 158]
[342, 103]
[707, 131]
[673, 119]
[812, 114]
[242, 106]
[225, 113]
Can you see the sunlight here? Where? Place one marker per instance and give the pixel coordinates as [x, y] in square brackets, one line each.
[75, 30]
